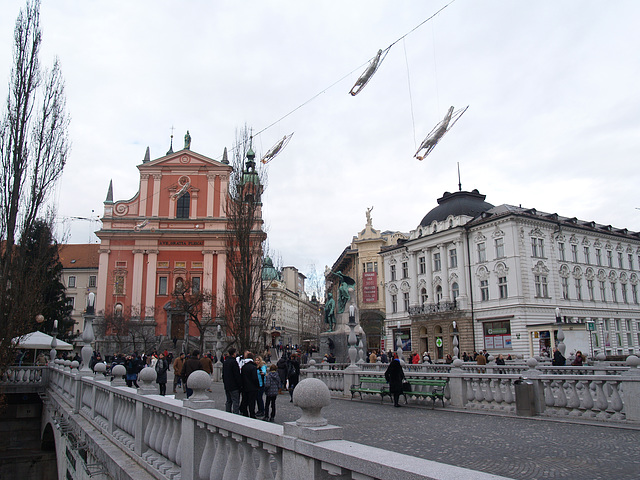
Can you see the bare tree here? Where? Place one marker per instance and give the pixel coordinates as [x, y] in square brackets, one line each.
[124, 330]
[192, 301]
[245, 245]
[34, 146]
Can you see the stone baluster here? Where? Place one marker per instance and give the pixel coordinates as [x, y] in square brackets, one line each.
[276, 455]
[208, 453]
[360, 353]
[497, 390]
[549, 398]
[220, 459]
[586, 402]
[248, 469]
[168, 434]
[477, 389]
[175, 438]
[616, 401]
[561, 398]
[162, 430]
[150, 424]
[573, 400]
[264, 465]
[470, 389]
[601, 400]
[234, 462]
[509, 398]
[488, 396]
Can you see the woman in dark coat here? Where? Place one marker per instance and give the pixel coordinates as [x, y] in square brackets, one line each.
[394, 376]
[282, 370]
[161, 373]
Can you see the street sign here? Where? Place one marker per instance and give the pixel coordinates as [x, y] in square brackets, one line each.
[591, 326]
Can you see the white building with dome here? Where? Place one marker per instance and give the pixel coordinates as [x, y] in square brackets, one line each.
[500, 272]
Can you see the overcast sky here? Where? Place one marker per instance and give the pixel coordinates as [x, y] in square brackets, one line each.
[552, 87]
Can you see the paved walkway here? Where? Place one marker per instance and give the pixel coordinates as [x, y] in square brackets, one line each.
[515, 447]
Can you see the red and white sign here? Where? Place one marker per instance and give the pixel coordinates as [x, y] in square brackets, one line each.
[370, 287]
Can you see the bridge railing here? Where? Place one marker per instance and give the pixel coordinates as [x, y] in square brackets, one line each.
[599, 392]
[190, 440]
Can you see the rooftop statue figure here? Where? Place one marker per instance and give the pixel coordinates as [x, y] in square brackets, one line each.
[187, 141]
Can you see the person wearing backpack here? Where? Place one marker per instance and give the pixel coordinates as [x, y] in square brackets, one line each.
[293, 373]
[272, 386]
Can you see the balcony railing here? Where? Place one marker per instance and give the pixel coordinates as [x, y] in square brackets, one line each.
[429, 308]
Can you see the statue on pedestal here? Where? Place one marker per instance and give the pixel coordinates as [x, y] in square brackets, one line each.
[343, 291]
[329, 313]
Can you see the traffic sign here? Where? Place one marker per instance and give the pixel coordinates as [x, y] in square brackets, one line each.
[591, 326]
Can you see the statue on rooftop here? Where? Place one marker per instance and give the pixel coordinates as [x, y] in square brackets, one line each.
[187, 141]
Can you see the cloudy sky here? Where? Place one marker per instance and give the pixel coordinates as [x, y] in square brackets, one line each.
[552, 87]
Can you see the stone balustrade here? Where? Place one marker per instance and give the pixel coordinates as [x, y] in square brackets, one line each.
[190, 440]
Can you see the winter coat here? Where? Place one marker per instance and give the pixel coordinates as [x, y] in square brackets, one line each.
[161, 370]
[282, 369]
[262, 374]
[394, 376]
[190, 365]
[231, 374]
[272, 384]
[249, 374]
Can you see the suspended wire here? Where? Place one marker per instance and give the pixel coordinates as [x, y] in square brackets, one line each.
[435, 66]
[353, 71]
[413, 120]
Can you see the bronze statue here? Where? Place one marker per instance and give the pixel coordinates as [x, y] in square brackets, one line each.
[343, 290]
[187, 141]
[329, 313]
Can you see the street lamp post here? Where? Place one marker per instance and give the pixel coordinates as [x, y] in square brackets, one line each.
[561, 346]
[456, 350]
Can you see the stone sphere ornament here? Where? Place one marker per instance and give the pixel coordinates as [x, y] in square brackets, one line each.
[311, 396]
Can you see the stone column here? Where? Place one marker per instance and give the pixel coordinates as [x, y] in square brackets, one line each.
[155, 209]
[136, 288]
[457, 385]
[444, 254]
[144, 189]
[631, 386]
[207, 278]
[429, 264]
[150, 294]
[211, 182]
[102, 284]
[221, 274]
[413, 280]
[224, 188]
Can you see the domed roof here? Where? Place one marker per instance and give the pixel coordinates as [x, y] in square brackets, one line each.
[457, 203]
[269, 272]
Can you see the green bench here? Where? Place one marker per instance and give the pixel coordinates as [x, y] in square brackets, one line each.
[434, 391]
[374, 385]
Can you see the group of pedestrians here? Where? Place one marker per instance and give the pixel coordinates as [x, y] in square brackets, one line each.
[247, 381]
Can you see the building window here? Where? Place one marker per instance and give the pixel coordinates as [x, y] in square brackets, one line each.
[118, 286]
[499, 247]
[422, 265]
[574, 253]
[117, 310]
[162, 285]
[394, 304]
[579, 288]
[436, 262]
[405, 270]
[614, 292]
[599, 257]
[484, 290]
[630, 261]
[610, 258]
[587, 256]
[423, 296]
[603, 291]
[92, 281]
[561, 256]
[71, 302]
[634, 293]
[565, 287]
[405, 297]
[71, 282]
[182, 206]
[542, 290]
[453, 258]
[455, 291]
[195, 285]
[392, 269]
[537, 247]
[590, 289]
[438, 293]
[482, 252]
[620, 260]
[502, 287]
[623, 288]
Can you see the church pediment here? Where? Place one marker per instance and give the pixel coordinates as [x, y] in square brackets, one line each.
[182, 158]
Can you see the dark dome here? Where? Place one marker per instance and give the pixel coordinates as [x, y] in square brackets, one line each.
[457, 203]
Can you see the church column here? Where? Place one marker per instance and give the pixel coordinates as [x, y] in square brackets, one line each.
[211, 180]
[144, 189]
[462, 283]
[224, 188]
[156, 194]
[193, 208]
[136, 285]
[150, 295]
[444, 255]
[207, 280]
[429, 263]
[221, 275]
[103, 284]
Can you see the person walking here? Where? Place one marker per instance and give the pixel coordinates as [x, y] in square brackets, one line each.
[262, 374]
[282, 370]
[232, 381]
[272, 385]
[191, 365]
[558, 358]
[161, 374]
[177, 369]
[293, 373]
[394, 375]
[250, 386]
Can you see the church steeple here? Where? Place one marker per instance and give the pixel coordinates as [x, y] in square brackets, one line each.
[109, 198]
[147, 156]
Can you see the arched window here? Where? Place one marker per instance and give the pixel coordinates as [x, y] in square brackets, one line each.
[182, 206]
[423, 296]
[117, 310]
[438, 293]
[455, 290]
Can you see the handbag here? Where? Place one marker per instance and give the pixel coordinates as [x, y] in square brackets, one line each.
[406, 386]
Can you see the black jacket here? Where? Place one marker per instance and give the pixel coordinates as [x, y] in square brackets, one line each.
[249, 373]
[231, 374]
[394, 375]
